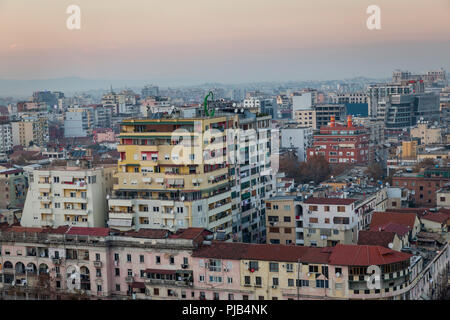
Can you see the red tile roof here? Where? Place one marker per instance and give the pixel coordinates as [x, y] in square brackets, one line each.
[82, 231]
[363, 255]
[375, 238]
[267, 252]
[382, 219]
[147, 233]
[399, 229]
[332, 201]
[437, 217]
[189, 233]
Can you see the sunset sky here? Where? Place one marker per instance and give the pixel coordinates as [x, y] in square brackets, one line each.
[221, 40]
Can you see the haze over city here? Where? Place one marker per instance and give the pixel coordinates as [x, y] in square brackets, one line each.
[190, 42]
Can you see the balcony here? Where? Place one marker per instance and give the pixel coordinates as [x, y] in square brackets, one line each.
[129, 279]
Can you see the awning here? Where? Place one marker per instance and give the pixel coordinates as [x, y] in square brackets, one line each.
[179, 182]
[159, 180]
[160, 271]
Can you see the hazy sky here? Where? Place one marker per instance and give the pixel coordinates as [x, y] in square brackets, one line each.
[221, 40]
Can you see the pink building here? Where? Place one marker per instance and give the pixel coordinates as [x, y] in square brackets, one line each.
[104, 135]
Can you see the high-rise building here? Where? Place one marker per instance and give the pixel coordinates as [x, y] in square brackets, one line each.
[13, 188]
[30, 129]
[149, 91]
[172, 175]
[6, 142]
[78, 122]
[324, 112]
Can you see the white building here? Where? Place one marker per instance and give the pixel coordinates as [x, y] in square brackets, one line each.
[71, 195]
[6, 142]
[297, 138]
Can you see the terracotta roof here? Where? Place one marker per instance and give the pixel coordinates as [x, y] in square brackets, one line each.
[363, 255]
[82, 231]
[267, 252]
[335, 201]
[375, 238]
[444, 210]
[382, 219]
[147, 233]
[437, 217]
[189, 233]
[399, 229]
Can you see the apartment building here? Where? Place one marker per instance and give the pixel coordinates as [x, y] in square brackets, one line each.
[341, 144]
[172, 174]
[427, 133]
[6, 142]
[422, 189]
[32, 129]
[99, 263]
[13, 188]
[254, 181]
[281, 224]
[73, 195]
[443, 197]
[329, 221]
[349, 97]
[305, 117]
[326, 111]
[78, 122]
[298, 138]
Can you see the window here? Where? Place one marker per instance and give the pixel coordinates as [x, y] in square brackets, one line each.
[130, 272]
[116, 257]
[287, 219]
[314, 269]
[253, 265]
[287, 230]
[258, 281]
[289, 267]
[338, 270]
[229, 280]
[117, 270]
[247, 280]
[99, 288]
[321, 283]
[341, 208]
[141, 258]
[97, 257]
[156, 291]
[313, 220]
[230, 296]
[274, 281]
[117, 287]
[56, 179]
[158, 260]
[273, 266]
[290, 282]
[128, 257]
[185, 261]
[172, 259]
[98, 272]
[327, 208]
[201, 278]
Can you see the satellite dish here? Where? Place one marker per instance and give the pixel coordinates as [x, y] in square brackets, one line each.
[182, 198]
[390, 245]
[235, 110]
[234, 104]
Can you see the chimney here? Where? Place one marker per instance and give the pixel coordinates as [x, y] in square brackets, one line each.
[349, 121]
[332, 121]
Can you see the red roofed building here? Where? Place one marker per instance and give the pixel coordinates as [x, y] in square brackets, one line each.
[387, 221]
[341, 143]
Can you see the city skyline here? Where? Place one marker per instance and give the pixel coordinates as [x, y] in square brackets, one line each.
[227, 42]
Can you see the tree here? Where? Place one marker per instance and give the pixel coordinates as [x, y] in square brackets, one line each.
[427, 162]
[375, 171]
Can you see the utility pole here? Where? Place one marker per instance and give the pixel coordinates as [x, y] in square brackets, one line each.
[298, 279]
